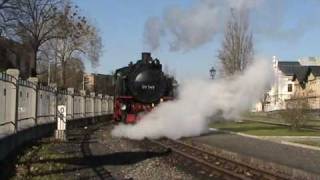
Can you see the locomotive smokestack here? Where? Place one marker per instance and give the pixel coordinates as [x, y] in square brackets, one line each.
[146, 56]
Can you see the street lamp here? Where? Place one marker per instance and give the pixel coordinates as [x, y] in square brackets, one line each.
[212, 72]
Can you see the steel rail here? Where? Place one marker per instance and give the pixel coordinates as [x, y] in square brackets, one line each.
[218, 158]
[216, 168]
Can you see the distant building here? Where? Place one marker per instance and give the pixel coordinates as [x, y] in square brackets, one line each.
[99, 83]
[89, 82]
[310, 61]
[307, 86]
[293, 79]
[15, 55]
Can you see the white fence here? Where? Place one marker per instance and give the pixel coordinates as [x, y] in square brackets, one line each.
[24, 104]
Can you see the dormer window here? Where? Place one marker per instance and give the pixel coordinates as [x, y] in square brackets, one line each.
[289, 87]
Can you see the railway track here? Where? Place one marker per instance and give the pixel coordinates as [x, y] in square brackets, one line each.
[215, 166]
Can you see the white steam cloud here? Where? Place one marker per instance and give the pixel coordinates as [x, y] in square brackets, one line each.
[186, 28]
[198, 100]
[191, 27]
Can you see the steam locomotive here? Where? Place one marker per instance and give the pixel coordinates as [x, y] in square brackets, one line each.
[139, 88]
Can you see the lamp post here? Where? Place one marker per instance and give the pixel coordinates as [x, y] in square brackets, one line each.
[212, 72]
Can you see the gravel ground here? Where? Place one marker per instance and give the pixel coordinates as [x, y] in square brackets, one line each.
[91, 153]
[137, 159]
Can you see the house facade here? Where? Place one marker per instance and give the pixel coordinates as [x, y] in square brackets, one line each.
[308, 87]
[100, 83]
[293, 80]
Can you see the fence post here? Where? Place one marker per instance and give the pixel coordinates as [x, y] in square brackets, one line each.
[53, 105]
[108, 104]
[111, 101]
[34, 102]
[83, 103]
[13, 109]
[99, 104]
[92, 97]
[105, 107]
[70, 102]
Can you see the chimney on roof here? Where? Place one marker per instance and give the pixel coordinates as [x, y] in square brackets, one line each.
[146, 57]
[274, 61]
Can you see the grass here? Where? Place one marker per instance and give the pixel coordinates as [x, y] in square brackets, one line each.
[261, 129]
[274, 117]
[36, 163]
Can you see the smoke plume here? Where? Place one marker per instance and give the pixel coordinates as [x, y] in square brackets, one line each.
[198, 100]
[187, 28]
[153, 32]
[191, 27]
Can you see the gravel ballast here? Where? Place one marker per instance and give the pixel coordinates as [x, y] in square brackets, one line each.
[92, 153]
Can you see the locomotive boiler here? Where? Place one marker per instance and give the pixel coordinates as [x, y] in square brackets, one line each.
[139, 87]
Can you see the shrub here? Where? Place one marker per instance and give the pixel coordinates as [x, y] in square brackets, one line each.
[297, 112]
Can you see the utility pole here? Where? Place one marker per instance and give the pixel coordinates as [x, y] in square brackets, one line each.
[49, 74]
[83, 81]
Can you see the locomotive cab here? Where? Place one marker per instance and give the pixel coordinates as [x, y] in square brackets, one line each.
[139, 87]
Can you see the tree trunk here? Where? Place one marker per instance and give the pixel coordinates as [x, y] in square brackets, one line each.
[55, 70]
[64, 77]
[34, 66]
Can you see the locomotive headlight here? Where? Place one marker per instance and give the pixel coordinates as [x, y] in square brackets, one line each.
[123, 107]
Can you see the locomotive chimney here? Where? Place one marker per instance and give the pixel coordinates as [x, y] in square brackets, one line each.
[146, 56]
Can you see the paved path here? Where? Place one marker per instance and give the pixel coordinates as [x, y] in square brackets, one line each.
[300, 158]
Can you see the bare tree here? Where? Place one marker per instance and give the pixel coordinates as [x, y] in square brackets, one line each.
[75, 70]
[237, 48]
[36, 22]
[81, 41]
[5, 6]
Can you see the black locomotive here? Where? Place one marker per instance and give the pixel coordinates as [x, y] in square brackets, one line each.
[139, 87]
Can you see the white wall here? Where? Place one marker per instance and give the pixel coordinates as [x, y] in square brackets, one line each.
[37, 104]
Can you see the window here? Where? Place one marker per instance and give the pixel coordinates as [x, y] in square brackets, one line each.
[289, 87]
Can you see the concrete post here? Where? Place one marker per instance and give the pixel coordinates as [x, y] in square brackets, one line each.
[83, 103]
[53, 101]
[12, 103]
[70, 107]
[34, 100]
[99, 104]
[104, 108]
[107, 104]
[92, 96]
[111, 104]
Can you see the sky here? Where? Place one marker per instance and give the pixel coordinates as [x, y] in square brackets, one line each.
[187, 34]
